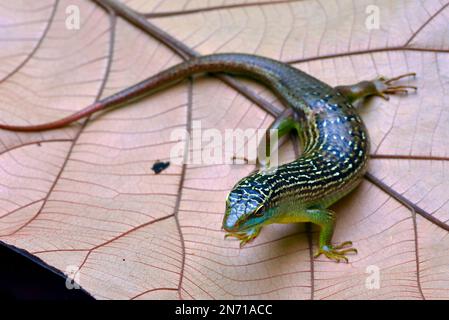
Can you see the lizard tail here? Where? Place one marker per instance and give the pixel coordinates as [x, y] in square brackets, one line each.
[239, 64]
[58, 123]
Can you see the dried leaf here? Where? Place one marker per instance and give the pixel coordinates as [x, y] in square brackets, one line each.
[85, 197]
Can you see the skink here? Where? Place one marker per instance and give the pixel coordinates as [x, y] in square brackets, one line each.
[333, 136]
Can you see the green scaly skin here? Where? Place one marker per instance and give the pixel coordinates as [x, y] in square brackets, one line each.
[334, 140]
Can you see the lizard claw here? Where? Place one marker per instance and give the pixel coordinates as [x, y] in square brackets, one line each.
[385, 87]
[333, 253]
[244, 236]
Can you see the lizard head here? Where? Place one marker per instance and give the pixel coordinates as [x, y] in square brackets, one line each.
[247, 204]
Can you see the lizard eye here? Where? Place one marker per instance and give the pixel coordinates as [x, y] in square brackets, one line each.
[259, 211]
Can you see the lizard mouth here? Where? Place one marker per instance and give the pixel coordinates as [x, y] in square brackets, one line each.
[231, 226]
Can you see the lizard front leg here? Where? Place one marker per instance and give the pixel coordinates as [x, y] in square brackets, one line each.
[325, 219]
[245, 236]
[284, 124]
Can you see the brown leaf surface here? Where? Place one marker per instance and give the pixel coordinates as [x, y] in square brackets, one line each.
[86, 196]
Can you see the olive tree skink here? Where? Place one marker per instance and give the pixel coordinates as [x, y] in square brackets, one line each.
[334, 140]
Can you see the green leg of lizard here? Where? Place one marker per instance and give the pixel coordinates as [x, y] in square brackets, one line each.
[283, 124]
[245, 236]
[381, 87]
[325, 219]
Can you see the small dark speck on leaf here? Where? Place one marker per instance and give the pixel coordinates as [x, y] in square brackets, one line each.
[38, 144]
[123, 259]
[159, 166]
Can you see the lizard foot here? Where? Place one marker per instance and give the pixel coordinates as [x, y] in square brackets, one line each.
[244, 236]
[334, 252]
[384, 86]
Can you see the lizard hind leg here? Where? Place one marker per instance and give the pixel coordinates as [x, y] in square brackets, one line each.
[384, 86]
[381, 86]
